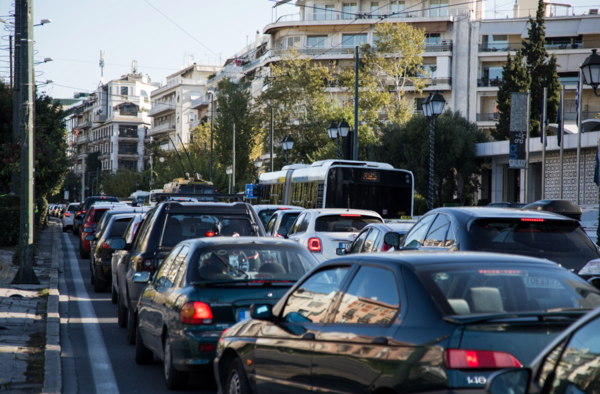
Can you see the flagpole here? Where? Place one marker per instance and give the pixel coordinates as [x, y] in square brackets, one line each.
[561, 130]
[578, 138]
[543, 126]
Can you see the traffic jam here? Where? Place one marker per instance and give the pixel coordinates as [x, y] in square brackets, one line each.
[325, 281]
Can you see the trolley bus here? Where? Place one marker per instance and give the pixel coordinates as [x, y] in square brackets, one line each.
[191, 186]
[341, 184]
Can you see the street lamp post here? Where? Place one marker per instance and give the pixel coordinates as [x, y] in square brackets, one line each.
[228, 172]
[287, 144]
[335, 131]
[258, 164]
[433, 106]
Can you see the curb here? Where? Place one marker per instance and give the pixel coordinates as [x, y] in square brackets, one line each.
[52, 367]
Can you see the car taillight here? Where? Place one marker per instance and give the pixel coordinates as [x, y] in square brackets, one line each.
[148, 265]
[314, 245]
[106, 245]
[196, 313]
[207, 347]
[385, 247]
[350, 215]
[78, 213]
[532, 220]
[210, 233]
[463, 359]
[67, 214]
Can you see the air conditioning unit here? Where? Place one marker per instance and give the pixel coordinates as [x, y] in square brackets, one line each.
[593, 11]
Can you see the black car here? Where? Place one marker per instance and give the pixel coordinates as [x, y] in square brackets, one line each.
[281, 219]
[114, 226]
[205, 286]
[402, 323]
[569, 365]
[529, 233]
[165, 226]
[78, 219]
[562, 207]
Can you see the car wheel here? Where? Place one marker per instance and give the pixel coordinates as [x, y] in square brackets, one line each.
[113, 294]
[174, 379]
[237, 382]
[121, 312]
[99, 285]
[131, 323]
[143, 355]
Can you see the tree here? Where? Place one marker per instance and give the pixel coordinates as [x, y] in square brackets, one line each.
[51, 162]
[407, 146]
[514, 79]
[123, 182]
[234, 108]
[543, 72]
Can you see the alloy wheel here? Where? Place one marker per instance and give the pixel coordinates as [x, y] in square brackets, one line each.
[234, 383]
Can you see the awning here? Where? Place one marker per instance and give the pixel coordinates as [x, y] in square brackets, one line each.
[558, 28]
[499, 28]
[589, 25]
[281, 2]
[431, 27]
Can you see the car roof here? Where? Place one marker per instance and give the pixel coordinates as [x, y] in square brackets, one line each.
[425, 259]
[340, 211]
[226, 241]
[275, 206]
[504, 213]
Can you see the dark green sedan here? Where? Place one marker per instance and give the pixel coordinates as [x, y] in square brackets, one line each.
[204, 287]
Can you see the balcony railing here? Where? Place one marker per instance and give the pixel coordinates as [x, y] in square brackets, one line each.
[162, 128]
[487, 82]
[200, 102]
[488, 117]
[100, 118]
[336, 15]
[128, 134]
[499, 47]
[551, 46]
[127, 151]
[161, 108]
[349, 49]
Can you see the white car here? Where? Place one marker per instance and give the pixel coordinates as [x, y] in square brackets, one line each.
[265, 212]
[322, 231]
[67, 218]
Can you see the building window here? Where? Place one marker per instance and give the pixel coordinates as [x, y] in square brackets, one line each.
[374, 8]
[496, 42]
[128, 109]
[432, 39]
[430, 69]
[352, 40]
[349, 11]
[128, 131]
[324, 12]
[397, 9]
[290, 42]
[145, 96]
[419, 105]
[438, 8]
[123, 90]
[317, 42]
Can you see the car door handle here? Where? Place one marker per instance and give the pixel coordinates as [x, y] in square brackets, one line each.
[309, 336]
[379, 341]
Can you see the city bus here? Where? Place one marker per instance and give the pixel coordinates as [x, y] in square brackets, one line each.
[341, 184]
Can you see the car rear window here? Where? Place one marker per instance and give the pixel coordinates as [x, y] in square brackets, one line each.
[182, 226]
[98, 214]
[73, 208]
[288, 220]
[249, 262]
[118, 227]
[344, 223]
[544, 238]
[499, 288]
[265, 215]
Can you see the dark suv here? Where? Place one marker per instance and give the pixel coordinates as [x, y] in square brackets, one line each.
[165, 226]
[78, 219]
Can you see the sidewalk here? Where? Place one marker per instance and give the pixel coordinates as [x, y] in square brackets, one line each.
[29, 322]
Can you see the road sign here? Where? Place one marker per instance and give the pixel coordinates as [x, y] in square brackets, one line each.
[66, 194]
[250, 190]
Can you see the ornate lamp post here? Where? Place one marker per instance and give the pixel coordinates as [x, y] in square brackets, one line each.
[258, 164]
[591, 71]
[335, 131]
[433, 106]
[287, 144]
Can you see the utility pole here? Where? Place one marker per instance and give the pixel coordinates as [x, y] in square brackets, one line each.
[26, 275]
[233, 164]
[271, 153]
[356, 106]
[14, 184]
[10, 56]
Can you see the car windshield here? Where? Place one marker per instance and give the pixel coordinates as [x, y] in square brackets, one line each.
[559, 240]
[487, 288]
[265, 215]
[182, 226]
[250, 262]
[344, 223]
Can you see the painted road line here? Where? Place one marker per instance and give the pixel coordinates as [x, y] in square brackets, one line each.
[104, 377]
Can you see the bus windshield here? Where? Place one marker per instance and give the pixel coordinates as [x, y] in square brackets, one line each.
[387, 192]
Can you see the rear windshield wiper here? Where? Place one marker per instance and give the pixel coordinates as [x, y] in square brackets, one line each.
[568, 313]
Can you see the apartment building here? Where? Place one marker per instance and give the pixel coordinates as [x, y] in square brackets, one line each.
[178, 105]
[113, 120]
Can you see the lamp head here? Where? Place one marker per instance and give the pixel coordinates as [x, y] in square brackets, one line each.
[426, 107]
[332, 130]
[591, 70]
[344, 128]
[437, 104]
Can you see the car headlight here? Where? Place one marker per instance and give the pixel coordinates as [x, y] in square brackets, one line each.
[591, 268]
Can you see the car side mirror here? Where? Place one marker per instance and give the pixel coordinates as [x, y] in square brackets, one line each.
[340, 251]
[118, 244]
[283, 231]
[134, 204]
[514, 381]
[88, 230]
[141, 277]
[392, 239]
[90, 237]
[261, 312]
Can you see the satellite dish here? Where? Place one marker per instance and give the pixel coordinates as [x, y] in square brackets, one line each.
[162, 159]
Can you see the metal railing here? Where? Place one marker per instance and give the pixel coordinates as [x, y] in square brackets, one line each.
[158, 108]
[551, 46]
[127, 151]
[337, 15]
[446, 45]
[161, 128]
[499, 47]
[487, 82]
[488, 117]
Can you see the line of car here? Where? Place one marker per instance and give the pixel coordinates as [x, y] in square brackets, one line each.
[258, 299]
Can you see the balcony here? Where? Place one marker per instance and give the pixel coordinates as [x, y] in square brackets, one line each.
[499, 47]
[201, 102]
[128, 134]
[349, 50]
[84, 124]
[550, 46]
[100, 118]
[81, 139]
[486, 82]
[488, 117]
[127, 151]
[161, 109]
[163, 128]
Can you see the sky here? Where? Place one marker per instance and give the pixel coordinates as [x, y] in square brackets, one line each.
[203, 31]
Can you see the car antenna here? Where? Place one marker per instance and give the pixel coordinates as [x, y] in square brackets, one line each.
[185, 174]
[188, 156]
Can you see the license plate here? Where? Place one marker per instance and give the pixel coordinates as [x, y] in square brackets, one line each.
[243, 315]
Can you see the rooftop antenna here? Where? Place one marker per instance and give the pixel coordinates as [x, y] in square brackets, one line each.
[134, 66]
[101, 63]
[185, 174]
[190, 160]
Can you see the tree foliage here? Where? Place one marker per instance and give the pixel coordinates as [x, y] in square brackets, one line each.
[407, 146]
[51, 162]
[514, 79]
[123, 182]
